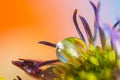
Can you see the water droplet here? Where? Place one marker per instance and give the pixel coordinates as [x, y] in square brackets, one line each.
[69, 49]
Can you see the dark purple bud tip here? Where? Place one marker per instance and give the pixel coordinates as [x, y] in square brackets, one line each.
[29, 66]
[47, 43]
[18, 78]
[32, 67]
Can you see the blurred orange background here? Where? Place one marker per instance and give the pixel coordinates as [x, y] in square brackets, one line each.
[23, 23]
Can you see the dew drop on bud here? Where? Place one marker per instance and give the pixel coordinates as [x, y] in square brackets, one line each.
[70, 49]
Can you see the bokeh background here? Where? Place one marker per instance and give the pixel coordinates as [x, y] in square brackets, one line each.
[23, 23]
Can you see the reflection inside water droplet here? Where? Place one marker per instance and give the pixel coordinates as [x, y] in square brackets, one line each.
[69, 49]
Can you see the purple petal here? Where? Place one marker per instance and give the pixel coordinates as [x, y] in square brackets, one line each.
[95, 25]
[100, 27]
[115, 44]
[87, 29]
[77, 27]
[115, 25]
